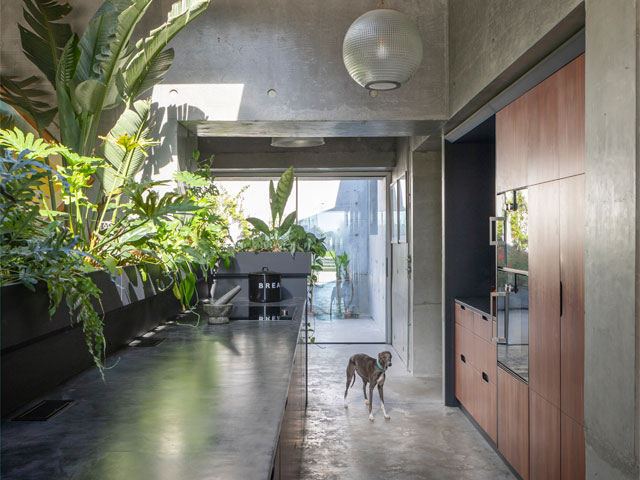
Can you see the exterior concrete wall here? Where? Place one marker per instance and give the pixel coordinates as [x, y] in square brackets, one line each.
[493, 42]
[611, 248]
[426, 247]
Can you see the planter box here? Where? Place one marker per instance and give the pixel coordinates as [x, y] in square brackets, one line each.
[38, 353]
[294, 270]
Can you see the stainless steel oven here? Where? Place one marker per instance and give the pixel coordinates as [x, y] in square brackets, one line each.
[510, 302]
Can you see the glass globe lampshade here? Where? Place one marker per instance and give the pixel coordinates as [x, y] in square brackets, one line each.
[382, 49]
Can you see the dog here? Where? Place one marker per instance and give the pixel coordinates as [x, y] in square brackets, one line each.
[372, 371]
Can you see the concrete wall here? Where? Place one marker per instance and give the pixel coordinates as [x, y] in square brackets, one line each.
[493, 42]
[295, 48]
[426, 248]
[378, 260]
[612, 242]
[424, 233]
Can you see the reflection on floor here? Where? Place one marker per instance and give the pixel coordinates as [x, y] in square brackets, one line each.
[346, 330]
[422, 440]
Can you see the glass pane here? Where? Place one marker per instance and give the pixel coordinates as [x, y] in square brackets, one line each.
[255, 198]
[402, 209]
[348, 301]
[394, 212]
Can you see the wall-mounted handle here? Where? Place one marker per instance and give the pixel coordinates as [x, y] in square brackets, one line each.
[484, 317]
[463, 358]
[485, 377]
[494, 297]
[493, 230]
[561, 299]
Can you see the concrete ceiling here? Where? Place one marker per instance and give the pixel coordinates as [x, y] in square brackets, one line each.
[307, 128]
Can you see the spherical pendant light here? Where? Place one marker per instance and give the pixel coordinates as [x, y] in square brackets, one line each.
[382, 49]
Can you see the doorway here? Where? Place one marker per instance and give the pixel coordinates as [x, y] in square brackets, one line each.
[348, 301]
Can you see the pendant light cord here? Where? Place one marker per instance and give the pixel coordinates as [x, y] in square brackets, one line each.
[381, 4]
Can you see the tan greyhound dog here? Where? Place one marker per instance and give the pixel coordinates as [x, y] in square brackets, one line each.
[371, 371]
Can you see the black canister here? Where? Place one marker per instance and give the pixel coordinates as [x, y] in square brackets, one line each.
[264, 286]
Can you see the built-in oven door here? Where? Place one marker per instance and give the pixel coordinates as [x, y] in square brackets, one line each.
[511, 304]
[510, 230]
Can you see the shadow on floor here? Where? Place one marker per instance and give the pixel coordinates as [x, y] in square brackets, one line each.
[422, 440]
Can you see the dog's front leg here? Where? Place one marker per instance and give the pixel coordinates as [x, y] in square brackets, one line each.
[371, 385]
[364, 390]
[381, 393]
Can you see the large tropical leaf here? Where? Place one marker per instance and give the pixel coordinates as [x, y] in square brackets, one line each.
[119, 48]
[124, 148]
[69, 126]
[24, 95]
[94, 44]
[283, 190]
[43, 44]
[151, 61]
[259, 225]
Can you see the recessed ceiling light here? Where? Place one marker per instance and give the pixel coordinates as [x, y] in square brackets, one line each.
[297, 142]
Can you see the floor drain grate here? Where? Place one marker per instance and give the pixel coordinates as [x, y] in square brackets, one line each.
[43, 411]
[147, 341]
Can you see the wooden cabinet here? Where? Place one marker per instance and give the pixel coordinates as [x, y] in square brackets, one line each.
[556, 328]
[482, 326]
[544, 438]
[475, 368]
[540, 136]
[572, 278]
[513, 421]
[463, 316]
[485, 406]
[572, 448]
[511, 151]
[544, 291]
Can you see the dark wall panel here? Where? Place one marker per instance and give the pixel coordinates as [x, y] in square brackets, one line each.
[469, 260]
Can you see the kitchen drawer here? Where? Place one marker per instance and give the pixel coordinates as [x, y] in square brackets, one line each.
[463, 316]
[464, 384]
[485, 403]
[464, 343]
[482, 326]
[484, 357]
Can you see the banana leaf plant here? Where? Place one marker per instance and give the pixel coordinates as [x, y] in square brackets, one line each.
[101, 70]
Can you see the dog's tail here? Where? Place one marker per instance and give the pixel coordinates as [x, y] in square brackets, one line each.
[354, 379]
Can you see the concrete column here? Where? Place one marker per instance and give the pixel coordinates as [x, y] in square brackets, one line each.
[426, 244]
[611, 243]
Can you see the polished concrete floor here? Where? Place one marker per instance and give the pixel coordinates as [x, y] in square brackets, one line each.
[422, 440]
[347, 330]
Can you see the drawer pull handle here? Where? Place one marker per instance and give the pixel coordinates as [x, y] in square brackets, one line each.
[485, 377]
[463, 307]
[485, 318]
[462, 357]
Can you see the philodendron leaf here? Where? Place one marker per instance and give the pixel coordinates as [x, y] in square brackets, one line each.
[259, 225]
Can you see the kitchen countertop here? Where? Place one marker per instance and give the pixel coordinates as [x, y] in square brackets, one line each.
[205, 403]
[479, 304]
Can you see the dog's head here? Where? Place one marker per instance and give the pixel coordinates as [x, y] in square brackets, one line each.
[385, 359]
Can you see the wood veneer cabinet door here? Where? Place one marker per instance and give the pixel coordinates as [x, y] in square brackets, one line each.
[544, 291]
[544, 438]
[555, 139]
[511, 146]
[571, 117]
[513, 422]
[572, 448]
[572, 277]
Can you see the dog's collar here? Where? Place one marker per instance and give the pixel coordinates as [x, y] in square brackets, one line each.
[379, 366]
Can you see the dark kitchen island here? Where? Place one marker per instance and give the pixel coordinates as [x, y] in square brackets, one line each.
[209, 402]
